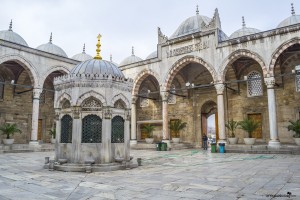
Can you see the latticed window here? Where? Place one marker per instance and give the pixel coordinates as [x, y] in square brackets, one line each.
[91, 129]
[144, 101]
[254, 84]
[43, 97]
[66, 104]
[91, 104]
[117, 130]
[120, 104]
[66, 129]
[297, 70]
[172, 97]
[1, 87]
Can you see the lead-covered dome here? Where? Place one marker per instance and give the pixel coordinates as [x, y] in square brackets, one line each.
[52, 48]
[11, 36]
[97, 66]
[152, 55]
[294, 19]
[244, 31]
[82, 56]
[191, 25]
[131, 59]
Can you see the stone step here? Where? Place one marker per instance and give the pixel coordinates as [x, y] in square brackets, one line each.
[18, 151]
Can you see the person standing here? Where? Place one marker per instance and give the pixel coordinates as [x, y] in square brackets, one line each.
[204, 141]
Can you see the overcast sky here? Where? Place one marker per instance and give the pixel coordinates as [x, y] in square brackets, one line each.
[123, 24]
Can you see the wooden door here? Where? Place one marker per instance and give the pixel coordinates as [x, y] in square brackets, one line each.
[204, 123]
[217, 126]
[40, 129]
[257, 117]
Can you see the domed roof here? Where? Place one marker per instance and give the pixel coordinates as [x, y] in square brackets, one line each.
[191, 25]
[130, 59]
[52, 48]
[82, 56]
[294, 19]
[97, 66]
[152, 55]
[11, 36]
[244, 31]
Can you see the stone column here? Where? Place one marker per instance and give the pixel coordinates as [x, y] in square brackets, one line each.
[58, 134]
[76, 135]
[274, 140]
[221, 112]
[126, 136]
[166, 136]
[106, 135]
[133, 122]
[35, 116]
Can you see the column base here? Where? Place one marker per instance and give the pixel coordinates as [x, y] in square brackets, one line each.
[274, 144]
[35, 145]
[133, 142]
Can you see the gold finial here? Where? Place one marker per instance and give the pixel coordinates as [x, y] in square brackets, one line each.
[10, 26]
[197, 10]
[293, 10]
[98, 57]
[243, 22]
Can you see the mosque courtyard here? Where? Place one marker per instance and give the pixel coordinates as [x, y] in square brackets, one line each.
[177, 174]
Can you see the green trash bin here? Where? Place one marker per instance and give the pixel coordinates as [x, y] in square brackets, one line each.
[164, 146]
[213, 147]
[158, 146]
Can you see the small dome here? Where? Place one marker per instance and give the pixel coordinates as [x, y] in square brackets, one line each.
[152, 55]
[97, 66]
[130, 59]
[11, 36]
[191, 25]
[52, 48]
[294, 19]
[244, 31]
[82, 56]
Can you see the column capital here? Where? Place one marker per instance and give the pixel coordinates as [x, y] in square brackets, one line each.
[37, 93]
[270, 82]
[128, 115]
[107, 113]
[57, 113]
[133, 100]
[220, 88]
[76, 111]
[164, 96]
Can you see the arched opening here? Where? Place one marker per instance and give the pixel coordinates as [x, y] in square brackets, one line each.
[16, 98]
[91, 129]
[117, 130]
[209, 120]
[66, 129]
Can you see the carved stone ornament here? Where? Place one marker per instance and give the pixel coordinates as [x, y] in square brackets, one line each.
[220, 88]
[36, 93]
[270, 82]
[165, 96]
[57, 113]
[76, 111]
[128, 115]
[107, 113]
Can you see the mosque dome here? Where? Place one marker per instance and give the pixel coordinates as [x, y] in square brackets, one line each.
[11, 36]
[294, 19]
[152, 55]
[191, 25]
[244, 31]
[52, 48]
[82, 56]
[130, 59]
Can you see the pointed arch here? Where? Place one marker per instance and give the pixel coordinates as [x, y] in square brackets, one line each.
[51, 70]
[178, 65]
[61, 99]
[238, 54]
[27, 65]
[120, 97]
[279, 51]
[91, 94]
[141, 77]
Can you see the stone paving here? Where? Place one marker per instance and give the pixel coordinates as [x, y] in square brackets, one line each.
[178, 174]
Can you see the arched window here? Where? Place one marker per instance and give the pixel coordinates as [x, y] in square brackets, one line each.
[144, 102]
[2, 87]
[117, 130]
[91, 104]
[254, 84]
[91, 129]
[297, 71]
[120, 104]
[172, 97]
[66, 129]
[66, 104]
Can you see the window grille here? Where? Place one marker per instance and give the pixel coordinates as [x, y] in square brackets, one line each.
[66, 129]
[144, 102]
[2, 87]
[117, 130]
[91, 129]
[91, 104]
[172, 97]
[254, 84]
[43, 97]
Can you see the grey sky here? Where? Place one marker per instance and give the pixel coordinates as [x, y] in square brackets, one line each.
[128, 23]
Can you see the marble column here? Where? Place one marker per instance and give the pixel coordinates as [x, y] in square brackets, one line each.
[274, 139]
[58, 134]
[35, 116]
[166, 136]
[126, 136]
[133, 139]
[106, 153]
[76, 135]
[221, 112]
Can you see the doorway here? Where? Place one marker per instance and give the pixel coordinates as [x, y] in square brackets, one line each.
[209, 121]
